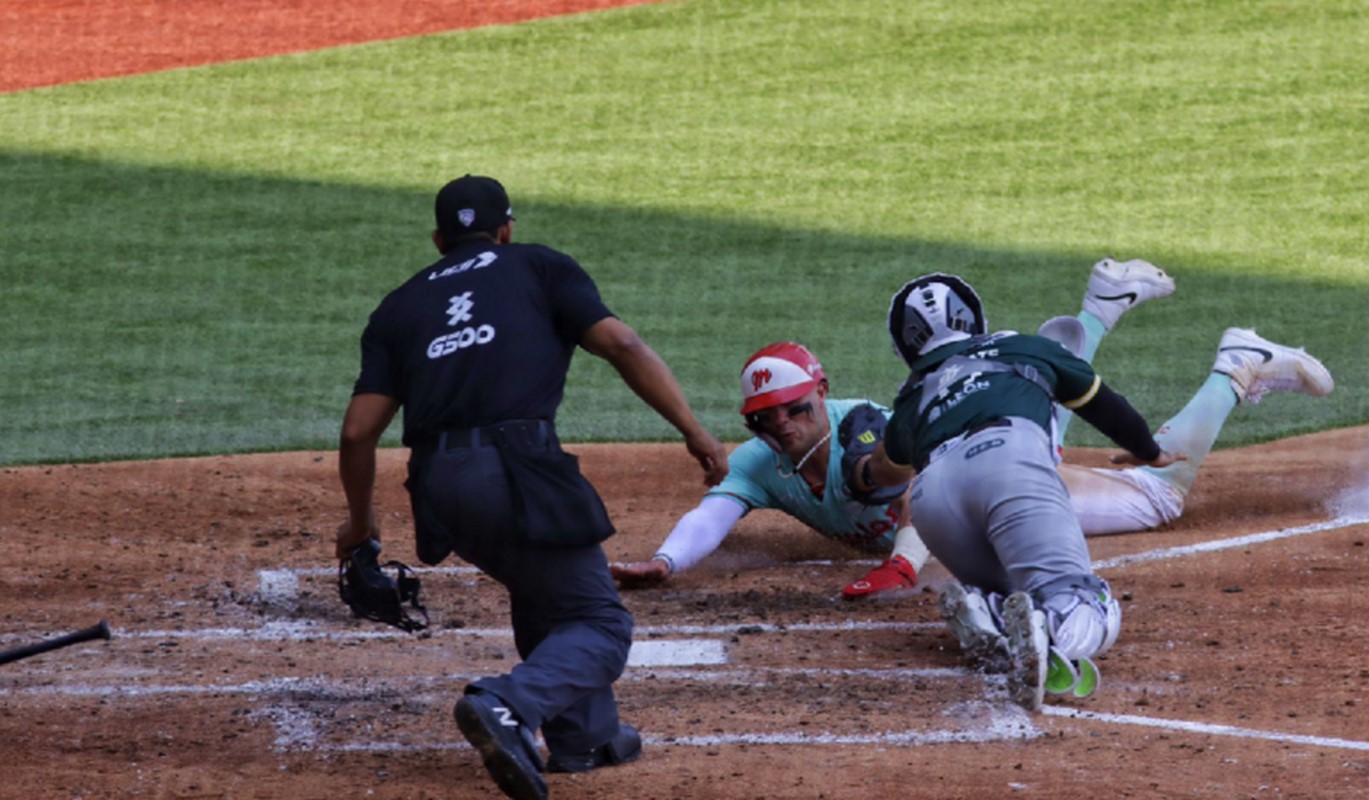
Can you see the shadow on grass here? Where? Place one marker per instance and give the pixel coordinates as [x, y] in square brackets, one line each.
[151, 312]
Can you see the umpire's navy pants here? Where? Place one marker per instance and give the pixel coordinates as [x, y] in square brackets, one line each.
[569, 624]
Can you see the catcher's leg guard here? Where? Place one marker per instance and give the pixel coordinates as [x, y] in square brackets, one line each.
[1083, 617]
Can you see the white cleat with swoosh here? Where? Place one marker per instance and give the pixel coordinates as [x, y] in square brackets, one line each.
[1118, 286]
[1257, 366]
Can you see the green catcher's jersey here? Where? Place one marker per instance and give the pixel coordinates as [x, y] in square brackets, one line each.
[967, 383]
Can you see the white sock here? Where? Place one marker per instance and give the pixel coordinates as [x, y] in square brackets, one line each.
[1194, 430]
[1094, 331]
[909, 545]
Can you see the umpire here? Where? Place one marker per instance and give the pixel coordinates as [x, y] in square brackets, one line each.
[475, 349]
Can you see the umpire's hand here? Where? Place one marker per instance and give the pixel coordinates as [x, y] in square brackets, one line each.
[710, 454]
[350, 537]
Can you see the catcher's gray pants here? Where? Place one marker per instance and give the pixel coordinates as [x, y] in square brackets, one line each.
[993, 509]
[569, 623]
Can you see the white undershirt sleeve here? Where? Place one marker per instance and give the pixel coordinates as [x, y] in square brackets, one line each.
[699, 532]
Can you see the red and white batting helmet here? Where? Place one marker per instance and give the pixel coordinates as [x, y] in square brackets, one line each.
[778, 373]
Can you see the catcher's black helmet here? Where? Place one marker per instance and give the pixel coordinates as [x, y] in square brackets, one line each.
[931, 311]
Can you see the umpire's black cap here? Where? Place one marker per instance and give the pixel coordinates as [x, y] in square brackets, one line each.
[472, 204]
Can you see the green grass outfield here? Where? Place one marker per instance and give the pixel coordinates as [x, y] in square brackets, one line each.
[188, 257]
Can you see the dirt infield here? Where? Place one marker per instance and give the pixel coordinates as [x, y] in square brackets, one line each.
[235, 671]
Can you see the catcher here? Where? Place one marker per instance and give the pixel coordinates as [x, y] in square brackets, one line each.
[802, 433]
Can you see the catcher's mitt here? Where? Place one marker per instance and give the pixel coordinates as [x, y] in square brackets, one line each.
[369, 592]
[860, 430]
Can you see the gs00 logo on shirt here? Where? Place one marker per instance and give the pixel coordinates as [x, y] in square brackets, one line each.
[458, 312]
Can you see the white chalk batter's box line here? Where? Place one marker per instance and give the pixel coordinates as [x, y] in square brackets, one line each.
[1010, 723]
[332, 571]
[281, 586]
[1000, 722]
[330, 688]
[298, 730]
[1233, 543]
[295, 630]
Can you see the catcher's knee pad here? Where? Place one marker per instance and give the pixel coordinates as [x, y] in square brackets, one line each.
[1083, 617]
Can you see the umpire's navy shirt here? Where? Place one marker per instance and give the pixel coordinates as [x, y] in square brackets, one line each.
[484, 335]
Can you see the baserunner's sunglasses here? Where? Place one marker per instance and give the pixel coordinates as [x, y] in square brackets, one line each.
[760, 419]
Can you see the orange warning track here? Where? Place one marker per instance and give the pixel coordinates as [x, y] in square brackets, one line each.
[43, 43]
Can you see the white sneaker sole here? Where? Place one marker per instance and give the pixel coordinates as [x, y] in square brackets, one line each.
[985, 648]
[1028, 645]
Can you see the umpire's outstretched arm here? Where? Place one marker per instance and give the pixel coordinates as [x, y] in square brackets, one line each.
[651, 379]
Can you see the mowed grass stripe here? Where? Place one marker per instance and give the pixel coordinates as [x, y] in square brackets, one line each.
[191, 254]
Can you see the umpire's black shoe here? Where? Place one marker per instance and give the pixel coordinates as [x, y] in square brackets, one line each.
[505, 744]
[625, 746]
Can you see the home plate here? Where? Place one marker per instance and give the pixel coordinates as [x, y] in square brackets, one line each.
[677, 653]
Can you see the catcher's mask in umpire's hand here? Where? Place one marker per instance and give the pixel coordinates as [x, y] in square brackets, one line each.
[370, 593]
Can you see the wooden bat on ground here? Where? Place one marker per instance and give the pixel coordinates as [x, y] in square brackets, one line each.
[100, 631]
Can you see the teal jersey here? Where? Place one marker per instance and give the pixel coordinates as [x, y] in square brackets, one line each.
[964, 384]
[759, 477]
